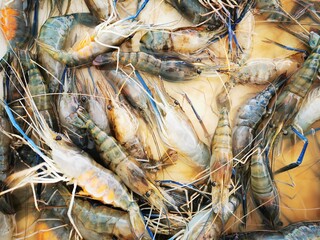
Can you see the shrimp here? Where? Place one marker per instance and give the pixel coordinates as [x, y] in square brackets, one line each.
[249, 116]
[196, 13]
[299, 230]
[38, 89]
[171, 70]
[221, 157]
[247, 121]
[98, 222]
[7, 223]
[308, 113]
[67, 105]
[264, 70]
[54, 33]
[14, 23]
[126, 167]
[263, 189]
[292, 95]
[174, 125]
[104, 39]
[125, 125]
[181, 40]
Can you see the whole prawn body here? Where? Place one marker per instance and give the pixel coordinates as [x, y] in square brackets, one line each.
[221, 160]
[171, 70]
[14, 23]
[125, 166]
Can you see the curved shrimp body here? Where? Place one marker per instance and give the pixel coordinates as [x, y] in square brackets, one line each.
[264, 70]
[171, 70]
[103, 40]
[300, 230]
[38, 89]
[292, 95]
[126, 167]
[221, 159]
[196, 13]
[54, 33]
[249, 116]
[204, 225]
[185, 40]
[14, 23]
[7, 226]
[263, 189]
[308, 113]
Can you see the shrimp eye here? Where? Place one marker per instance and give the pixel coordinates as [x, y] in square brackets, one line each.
[285, 132]
[176, 102]
[148, 193]
[83, 99]
[271, 125]
[199, 71]
[58, 138]
[109, 107]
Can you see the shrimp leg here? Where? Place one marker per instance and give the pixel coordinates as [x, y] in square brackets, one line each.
[302, 153]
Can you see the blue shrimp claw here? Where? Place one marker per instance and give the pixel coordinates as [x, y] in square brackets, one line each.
[300, 158]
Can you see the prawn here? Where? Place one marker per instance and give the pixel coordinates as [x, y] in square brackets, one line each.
[263, 189]
[171, 70]
[54, 33]
[124, 124]
[126, 167]
[104, 39]
[264, 70]
[221, 155]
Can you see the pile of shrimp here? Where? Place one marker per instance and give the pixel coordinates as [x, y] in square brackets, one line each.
[159, 119]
